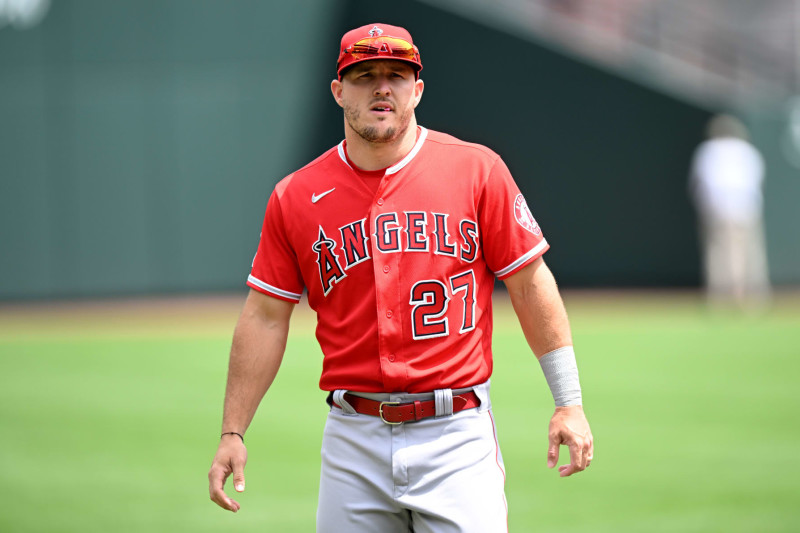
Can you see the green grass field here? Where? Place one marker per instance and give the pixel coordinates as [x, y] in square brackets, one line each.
[110, 413]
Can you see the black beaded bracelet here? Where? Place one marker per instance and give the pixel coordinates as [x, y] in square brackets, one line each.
[233, 433]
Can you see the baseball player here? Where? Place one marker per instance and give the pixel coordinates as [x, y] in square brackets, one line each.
[397, 235]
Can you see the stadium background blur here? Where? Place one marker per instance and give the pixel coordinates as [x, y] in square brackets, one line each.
[139, 142]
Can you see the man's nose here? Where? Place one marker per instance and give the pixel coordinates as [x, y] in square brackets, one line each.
[382, 86]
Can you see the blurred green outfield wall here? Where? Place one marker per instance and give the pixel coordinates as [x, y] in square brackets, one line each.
[139, 141]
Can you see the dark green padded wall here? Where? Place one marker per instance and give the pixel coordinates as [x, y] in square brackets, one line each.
[139, 140]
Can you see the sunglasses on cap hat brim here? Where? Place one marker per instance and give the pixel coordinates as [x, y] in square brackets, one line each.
[380, 48]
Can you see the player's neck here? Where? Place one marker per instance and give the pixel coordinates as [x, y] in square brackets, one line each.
[375, 156]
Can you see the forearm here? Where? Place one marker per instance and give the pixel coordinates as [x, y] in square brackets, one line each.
[544, 321]
[258, 345]
[539, 308]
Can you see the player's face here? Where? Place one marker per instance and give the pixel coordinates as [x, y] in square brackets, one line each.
[378, 98]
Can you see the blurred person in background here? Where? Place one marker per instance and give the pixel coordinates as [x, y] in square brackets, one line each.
[726, 179]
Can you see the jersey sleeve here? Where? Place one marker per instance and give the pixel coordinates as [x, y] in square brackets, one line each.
[511, 237]
[275, 269]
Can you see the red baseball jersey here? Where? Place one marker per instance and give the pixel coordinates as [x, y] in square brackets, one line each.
[399, 269]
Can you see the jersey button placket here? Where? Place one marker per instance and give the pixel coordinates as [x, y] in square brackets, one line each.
[390, 331]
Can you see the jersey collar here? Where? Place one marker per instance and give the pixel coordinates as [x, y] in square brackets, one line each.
[423, 134]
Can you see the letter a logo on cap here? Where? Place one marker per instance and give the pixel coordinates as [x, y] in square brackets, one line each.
[375, 32]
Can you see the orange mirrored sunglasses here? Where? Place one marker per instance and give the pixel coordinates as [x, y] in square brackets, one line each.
[380, 46]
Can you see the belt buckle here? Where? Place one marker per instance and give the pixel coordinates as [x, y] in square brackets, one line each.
[380, 413]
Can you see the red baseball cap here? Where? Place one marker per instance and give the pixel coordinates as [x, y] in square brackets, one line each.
[377, 41]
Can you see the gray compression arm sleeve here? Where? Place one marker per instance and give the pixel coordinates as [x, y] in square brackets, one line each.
[561, 372]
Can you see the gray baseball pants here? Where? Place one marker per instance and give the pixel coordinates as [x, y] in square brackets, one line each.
[442, 474]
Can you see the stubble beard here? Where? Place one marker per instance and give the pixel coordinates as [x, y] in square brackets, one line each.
[373, 134]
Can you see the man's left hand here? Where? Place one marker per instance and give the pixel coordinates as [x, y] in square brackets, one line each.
[570, 428]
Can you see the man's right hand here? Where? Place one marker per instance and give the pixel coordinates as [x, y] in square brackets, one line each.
[230, 459]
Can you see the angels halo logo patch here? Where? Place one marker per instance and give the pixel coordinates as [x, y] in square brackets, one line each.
[524, 215]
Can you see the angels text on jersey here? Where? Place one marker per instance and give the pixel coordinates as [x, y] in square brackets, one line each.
[392, 233]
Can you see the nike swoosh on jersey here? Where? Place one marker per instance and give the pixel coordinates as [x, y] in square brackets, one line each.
[316, 198]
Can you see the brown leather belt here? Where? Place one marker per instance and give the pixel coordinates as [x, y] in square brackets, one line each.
[394, 413]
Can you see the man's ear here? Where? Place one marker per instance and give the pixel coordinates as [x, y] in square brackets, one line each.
[336, 90]
[419, 87]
